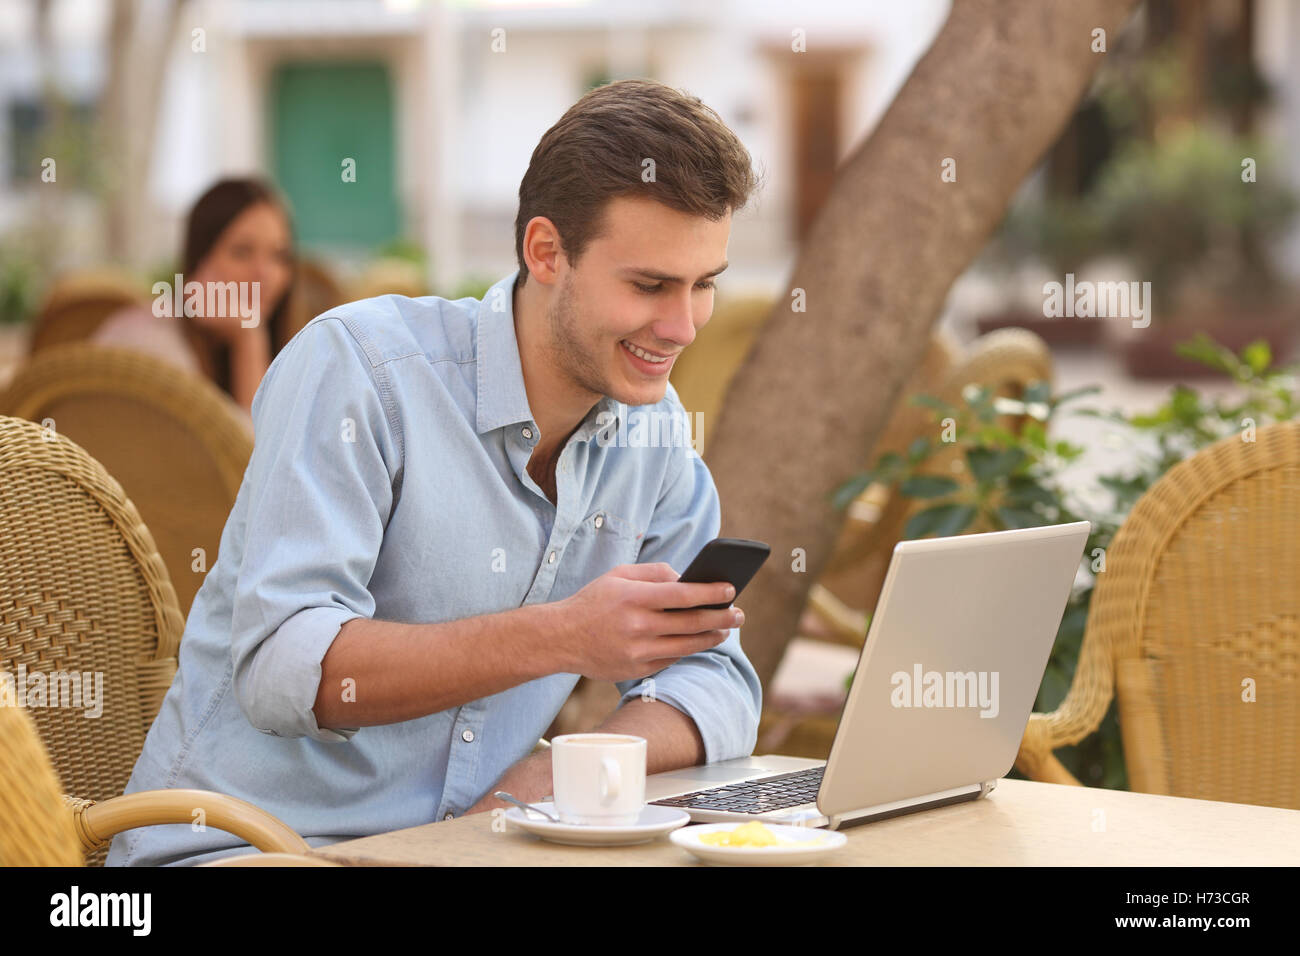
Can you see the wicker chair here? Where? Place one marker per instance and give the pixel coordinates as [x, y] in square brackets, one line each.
[390, 275]
[1198, 608]
[703, 371]
[315, 291]
[77, 305]
[82, 590]
[272, 859]
[40, 827]
[176, 443]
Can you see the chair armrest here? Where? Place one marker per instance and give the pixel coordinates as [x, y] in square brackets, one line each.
[1079, 715]
[848, 625]
[1036, 760]
[97, 823]
[272, 859]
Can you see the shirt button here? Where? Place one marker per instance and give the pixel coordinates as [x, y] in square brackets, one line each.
[600, 520]
[528, 433]
[550, 559]
[467, 736]
[449, 816]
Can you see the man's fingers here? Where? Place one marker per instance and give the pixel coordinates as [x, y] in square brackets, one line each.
[693, 623]
[680, 645]
[657, 597]
[654, 571]
[673, 595]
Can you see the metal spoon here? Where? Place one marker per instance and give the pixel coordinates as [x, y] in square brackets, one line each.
[527, 807]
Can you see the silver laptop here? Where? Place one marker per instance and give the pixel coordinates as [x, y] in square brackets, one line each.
[941, 696]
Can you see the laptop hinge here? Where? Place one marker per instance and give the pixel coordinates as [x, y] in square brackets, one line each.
[928, 802]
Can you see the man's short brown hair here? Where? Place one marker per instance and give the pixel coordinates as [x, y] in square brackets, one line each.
[598, 149]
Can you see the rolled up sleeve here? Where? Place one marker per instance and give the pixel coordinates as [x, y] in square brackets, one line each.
[718, 688]
[320, 491]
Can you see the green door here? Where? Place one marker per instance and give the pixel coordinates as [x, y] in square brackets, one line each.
[321, 115]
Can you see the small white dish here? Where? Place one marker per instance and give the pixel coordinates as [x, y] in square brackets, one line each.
[814, 844]
[653, 823]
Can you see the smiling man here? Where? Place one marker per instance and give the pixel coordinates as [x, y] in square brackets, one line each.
[435, 538]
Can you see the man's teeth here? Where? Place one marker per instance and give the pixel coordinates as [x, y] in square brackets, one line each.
[643, 354]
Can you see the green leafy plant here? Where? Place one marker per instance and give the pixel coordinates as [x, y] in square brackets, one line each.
[995, 477]
[1188, 421]
[475, 287]
[406, 250]
[990, 477]
[19, 287]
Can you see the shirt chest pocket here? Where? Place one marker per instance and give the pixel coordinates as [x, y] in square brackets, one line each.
[601, 541]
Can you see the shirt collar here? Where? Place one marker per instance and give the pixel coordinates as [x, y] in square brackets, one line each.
[502, 397]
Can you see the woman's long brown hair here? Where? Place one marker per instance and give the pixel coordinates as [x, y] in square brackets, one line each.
[214, 211]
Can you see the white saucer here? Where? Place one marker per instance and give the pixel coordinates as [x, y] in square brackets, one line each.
[815, 842]
[654, 822]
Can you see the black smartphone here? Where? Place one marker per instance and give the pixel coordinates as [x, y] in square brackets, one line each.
[734, 560]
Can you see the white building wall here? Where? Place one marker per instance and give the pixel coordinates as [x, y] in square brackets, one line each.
[468, 119]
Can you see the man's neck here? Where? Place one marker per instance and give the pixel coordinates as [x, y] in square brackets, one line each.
[557, 408]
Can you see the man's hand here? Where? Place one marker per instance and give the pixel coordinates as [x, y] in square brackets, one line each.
[616, 628]
[529, 780]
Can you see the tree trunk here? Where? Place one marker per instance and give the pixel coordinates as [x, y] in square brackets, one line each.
[999, 83]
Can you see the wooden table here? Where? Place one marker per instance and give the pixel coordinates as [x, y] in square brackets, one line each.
[1020, 824]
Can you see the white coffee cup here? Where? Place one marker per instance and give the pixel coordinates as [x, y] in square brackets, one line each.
[598, 779]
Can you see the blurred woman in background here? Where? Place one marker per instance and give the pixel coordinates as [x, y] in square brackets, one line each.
[238, 231]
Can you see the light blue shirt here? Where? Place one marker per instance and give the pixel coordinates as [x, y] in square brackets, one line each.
[389, 481]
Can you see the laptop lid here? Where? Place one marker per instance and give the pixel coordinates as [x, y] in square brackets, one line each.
[951, 665]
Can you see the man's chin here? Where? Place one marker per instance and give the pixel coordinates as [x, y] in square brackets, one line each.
[646, 394]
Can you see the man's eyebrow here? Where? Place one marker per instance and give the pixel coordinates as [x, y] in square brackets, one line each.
[661, 277]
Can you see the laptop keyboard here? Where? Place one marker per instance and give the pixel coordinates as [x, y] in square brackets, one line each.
[754, 796]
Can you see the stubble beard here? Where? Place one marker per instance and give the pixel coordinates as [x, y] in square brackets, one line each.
[567, 348]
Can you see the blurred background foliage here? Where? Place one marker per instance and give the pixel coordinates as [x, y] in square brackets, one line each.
[1144, 174]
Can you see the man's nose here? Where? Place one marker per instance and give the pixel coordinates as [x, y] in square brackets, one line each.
[678, 325]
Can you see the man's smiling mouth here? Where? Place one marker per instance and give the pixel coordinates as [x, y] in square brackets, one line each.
[643, 354]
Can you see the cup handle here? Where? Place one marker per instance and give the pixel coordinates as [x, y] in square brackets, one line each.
[611, 780]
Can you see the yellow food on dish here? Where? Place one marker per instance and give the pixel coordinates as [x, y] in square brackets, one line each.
[751, 835]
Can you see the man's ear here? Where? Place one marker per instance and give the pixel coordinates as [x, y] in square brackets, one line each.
[543, 250]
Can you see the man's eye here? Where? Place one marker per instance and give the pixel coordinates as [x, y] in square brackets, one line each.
[652, 289]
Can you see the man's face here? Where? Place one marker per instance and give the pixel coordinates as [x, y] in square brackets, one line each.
[646, 283]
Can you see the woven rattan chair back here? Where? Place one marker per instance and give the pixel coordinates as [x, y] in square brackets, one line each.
[702, 372]
[315, 292]
[1006, 362]
[177, 444]
[77, 305]
[36, 828]
[1198, 610]
[87, 611]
